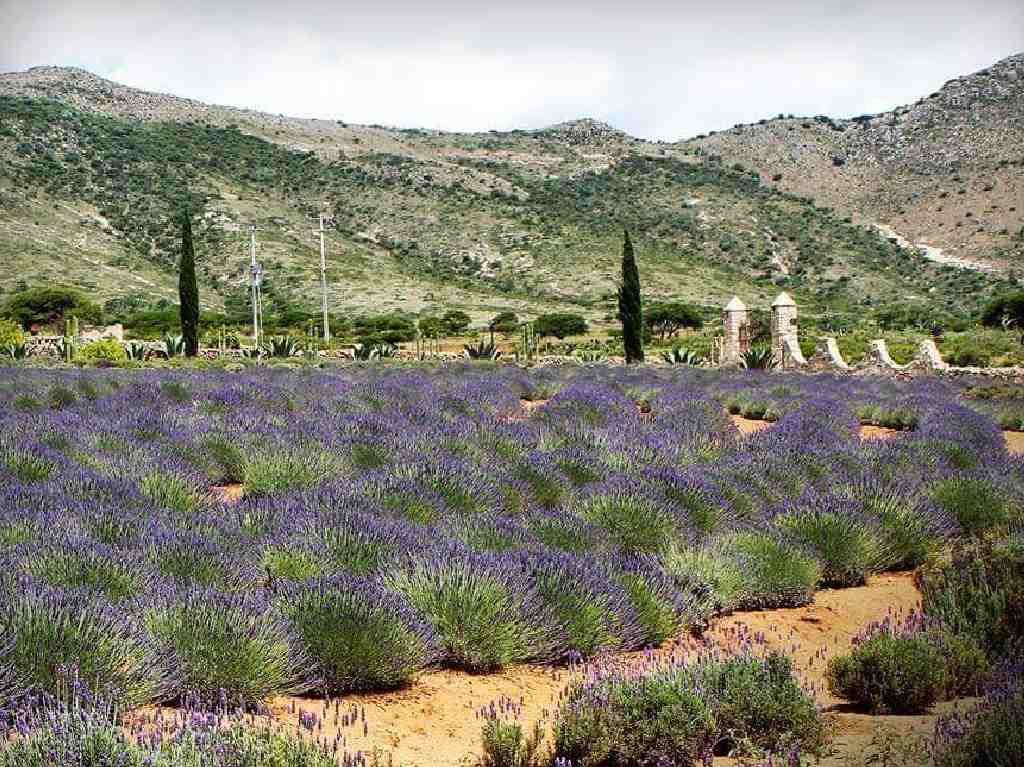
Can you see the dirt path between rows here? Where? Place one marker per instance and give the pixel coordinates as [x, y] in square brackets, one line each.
[1014, 439]
[434, 722]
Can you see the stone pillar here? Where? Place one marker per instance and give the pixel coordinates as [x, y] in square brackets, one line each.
[736, 339]
[784, 327]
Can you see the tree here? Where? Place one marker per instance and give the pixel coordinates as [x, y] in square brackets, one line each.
[504, 323]
[455, 322]
[384, 329]
[188, 290]
[49, 306]
[667, 319]
[431, 327]
[560, 325]
[1006, 312]
[630, 305]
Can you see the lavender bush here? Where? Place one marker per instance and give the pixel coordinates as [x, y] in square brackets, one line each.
[623, 511]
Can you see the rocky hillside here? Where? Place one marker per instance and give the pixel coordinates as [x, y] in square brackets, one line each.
[92, 171]
[945, 173]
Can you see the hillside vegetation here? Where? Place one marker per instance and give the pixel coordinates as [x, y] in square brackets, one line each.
[92, 173]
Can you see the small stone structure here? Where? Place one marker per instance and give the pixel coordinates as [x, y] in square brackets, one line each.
[730, 348]
[785, 340]
[736, 341]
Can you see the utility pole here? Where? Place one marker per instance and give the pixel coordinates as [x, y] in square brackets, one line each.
[255, 278]
[323, 281]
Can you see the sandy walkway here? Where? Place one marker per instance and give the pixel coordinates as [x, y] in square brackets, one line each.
[1014, 439]
[433, 723]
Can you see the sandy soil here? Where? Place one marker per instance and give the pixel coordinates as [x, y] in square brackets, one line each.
[749, 426]
[229, 494]
[434, 723]
[1014, 442]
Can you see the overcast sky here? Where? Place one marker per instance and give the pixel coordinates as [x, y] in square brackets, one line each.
[665, 70]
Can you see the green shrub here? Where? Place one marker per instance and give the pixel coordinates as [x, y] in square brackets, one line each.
[169, 491]
[679, 714]
[11, 334]
[82, 568]
[106, 350]
[356, 635]
[889, 673]
[775, 574]
[846, 548]
[285, 470]
[481, 620]
[979, 597]
[977, 504]
[993, 737]
[224, 645]
[77, 736]
[634, 523]
[967, 666]
[506, 745]
[47, 634]
[656, 719]
[759, 705]
[226, 459]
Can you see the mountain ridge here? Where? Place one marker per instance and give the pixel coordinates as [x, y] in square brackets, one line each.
[527, 220]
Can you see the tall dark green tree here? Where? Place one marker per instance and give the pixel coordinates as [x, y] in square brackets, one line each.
[630, 305]
[188, 289]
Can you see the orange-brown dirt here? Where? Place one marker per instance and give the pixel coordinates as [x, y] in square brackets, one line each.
[434, 722]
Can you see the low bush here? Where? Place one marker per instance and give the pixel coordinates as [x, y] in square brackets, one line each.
[71, 734]
[775, 574]
[846, 547]
[285, 470]
[680, 714]
[89, 567]
[978, 505]
[888, 672]
[990, 735]
[484, 621]
[505, 744]
[170, 491]
[357, 635]
[979, 598]
[759, 705]
[225, 645]
[108, 350]
[635, 524]
[49, 635]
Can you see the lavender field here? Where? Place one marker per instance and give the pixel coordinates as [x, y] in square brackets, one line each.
[396, 519]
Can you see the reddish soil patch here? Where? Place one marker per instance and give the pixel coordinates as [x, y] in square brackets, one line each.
[434, 723]
[228, 494]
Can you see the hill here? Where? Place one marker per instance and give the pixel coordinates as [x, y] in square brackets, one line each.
[946, 172]
[92, 171]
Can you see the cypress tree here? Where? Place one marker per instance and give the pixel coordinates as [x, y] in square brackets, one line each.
[630, 308]
[188, 290]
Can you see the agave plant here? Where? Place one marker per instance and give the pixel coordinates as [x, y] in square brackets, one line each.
[590, 355]
[376, 351]
[759, 358]
[482, 351]
[136, 350]
[174, 346]
[679, 356]
[282, 346]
